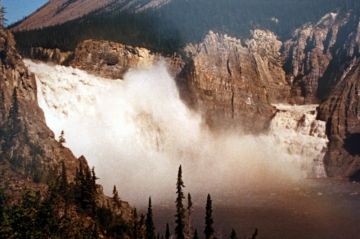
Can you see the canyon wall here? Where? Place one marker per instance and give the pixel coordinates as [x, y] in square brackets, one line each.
[234, 83]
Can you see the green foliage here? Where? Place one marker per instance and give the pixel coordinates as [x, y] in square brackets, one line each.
[115, 197]
[149, 223]
[233, 234]
[85, 189]
[13, 123]
[180, 210]
[209, 221]
[105, 217]
[167, 232]
[196, 236]
[2, 15]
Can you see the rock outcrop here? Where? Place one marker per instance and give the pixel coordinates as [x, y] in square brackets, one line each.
[112, 60]
[313, 55]
[322, 66]
[342, 113]
[234, 84]
[50, 55]
[309, 54]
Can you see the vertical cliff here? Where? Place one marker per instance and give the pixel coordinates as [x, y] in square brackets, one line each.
[322, 62]
[26, 142]
[234, 83]
[342, 112]
[31, 158]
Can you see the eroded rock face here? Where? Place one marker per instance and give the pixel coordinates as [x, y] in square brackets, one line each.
[26, 142]
[314, 55]
[50, 55]
[323, 65]
[234, 84]
[30, 157]
[309, 54]
[342, 113]
[110, 59]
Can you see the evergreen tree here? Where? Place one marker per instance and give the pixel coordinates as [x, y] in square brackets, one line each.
[149, 223]
[142, 227]
[62, 140]
[85, 188]
[233, 234]
[64, 187]
[189, 219]
[13, 122]
[180, 211]
[115, 197]
[2, 15]
[2, 204]
[255, 234]
[196, 236]
[209, 230]
[167, 232]
[135, 225]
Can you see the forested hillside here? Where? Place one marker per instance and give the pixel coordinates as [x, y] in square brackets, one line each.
[172, 25]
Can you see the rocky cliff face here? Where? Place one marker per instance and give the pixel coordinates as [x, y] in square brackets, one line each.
[309, 54]
[30, 157]
[234, 84]
[342, 112]
[110, 59]
[49, 55]
[113, 60]
[26, 142]
[322, 64]
[315, 54]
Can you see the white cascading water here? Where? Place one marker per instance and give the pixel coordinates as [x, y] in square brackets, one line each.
[137, 131]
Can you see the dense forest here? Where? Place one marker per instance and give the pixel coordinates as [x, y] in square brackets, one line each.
[170, 27]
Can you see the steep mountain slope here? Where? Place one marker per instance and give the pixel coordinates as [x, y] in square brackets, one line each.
[56, 12]
[168, 26]
[59, 11]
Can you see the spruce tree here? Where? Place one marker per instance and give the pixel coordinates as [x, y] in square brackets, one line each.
[255, 234]
[196, 236]
[62, 140]
[233, 234]
[63, 187]
[13, 122]
[149, 223]
[135, 225]
[180, 211]
[189, 219]
[167, 232]
[2, 15]
[116, 198]
[2, 204]
[209, 230]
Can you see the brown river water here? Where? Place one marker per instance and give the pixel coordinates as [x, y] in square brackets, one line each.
[317, 209]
